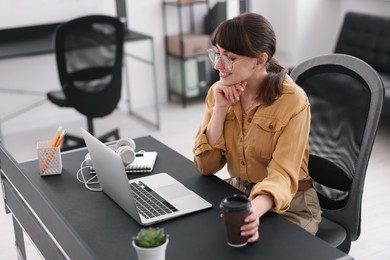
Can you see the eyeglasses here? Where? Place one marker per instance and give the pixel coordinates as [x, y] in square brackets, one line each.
[214, 57]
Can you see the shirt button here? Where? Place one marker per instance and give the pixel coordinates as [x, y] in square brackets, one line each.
[242, 163]
[270, 126]
[249, 120]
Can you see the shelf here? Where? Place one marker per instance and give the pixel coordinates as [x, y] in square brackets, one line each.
[188, 70]
[188, 45]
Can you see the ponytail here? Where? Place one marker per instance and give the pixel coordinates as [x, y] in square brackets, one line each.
[272, 85]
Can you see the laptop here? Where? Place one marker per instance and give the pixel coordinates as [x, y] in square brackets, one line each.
[167, 198]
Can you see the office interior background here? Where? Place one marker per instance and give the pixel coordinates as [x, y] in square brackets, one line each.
[304, 28]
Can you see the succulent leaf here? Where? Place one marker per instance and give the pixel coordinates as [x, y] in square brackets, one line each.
[150, 237]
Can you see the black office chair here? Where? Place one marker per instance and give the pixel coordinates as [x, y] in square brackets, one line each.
[346, 97]
[89, 53]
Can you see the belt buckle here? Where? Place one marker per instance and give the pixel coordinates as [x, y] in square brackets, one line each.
[246, 186]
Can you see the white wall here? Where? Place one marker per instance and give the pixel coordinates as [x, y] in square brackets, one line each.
[381, 7]
[21, 13]
[303, 27]
[146, 16]
[318, 21]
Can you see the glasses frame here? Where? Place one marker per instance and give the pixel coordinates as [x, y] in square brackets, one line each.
[214, 57]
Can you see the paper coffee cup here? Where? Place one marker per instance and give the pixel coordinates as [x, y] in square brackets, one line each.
[234, 209]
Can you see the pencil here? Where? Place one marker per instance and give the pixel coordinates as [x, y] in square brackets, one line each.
[60, 139]
[55, 139]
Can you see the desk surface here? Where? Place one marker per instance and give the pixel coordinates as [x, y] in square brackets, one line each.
[90, 224]
[42, 43]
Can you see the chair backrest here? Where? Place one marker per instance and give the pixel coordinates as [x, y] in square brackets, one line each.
[89, 54]
[346, 96]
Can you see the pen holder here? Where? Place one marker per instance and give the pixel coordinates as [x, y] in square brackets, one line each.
[49, 159]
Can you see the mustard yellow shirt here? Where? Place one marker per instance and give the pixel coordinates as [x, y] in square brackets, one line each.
[268, 146]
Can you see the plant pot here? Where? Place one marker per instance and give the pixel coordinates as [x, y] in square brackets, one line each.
[154, 253]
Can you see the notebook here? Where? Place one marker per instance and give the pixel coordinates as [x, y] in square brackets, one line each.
[167, 198]
[143, 162]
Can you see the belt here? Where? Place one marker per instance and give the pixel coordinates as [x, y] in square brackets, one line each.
[305, 184]
[243, 185]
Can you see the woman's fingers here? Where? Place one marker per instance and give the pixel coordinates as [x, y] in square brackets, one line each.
[251, 227]
[227, 95]
[230, 94]
[254, 237]
[233, 92]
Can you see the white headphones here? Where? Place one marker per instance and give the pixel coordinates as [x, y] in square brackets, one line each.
[125, 148]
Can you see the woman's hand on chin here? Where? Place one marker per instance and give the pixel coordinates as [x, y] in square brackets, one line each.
[225, 96]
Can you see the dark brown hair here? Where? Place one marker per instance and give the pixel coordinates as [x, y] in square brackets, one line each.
[249, 35]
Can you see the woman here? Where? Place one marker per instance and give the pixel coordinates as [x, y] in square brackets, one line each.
[257, 121]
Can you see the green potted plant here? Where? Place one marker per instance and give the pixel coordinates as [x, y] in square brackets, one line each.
[151, 243]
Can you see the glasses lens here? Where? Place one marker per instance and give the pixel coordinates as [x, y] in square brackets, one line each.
[212, 55]
[227, 62]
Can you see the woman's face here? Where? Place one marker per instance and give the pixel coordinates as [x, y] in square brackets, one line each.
[232, 68]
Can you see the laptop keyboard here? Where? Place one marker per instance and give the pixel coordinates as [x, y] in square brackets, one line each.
[148, 202]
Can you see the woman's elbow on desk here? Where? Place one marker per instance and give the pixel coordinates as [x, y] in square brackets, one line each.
[206, 167]
[204, 170]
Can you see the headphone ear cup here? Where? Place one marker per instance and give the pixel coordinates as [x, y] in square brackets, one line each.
[126, 153]
[126, 150]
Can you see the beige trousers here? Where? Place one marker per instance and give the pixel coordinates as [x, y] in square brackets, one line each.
[304, 208]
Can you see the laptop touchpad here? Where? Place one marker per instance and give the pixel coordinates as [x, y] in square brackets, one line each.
[174, 191]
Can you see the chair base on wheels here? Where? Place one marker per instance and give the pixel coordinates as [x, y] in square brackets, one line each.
[73, 142]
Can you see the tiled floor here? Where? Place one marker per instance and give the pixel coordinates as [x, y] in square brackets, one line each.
[178, 128]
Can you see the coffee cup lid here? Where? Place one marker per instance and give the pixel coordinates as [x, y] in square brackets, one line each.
[235, 203]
